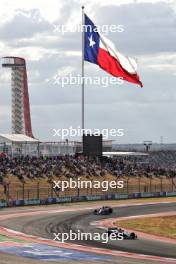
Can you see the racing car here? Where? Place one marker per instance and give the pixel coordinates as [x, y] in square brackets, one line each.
[126, 234]
[104, 210]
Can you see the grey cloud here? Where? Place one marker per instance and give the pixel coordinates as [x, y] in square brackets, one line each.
[149, 28]
[24, 24]
[144, 113]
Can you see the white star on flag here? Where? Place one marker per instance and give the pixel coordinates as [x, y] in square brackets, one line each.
[91, 41]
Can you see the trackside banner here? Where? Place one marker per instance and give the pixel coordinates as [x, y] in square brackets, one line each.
[84, 198]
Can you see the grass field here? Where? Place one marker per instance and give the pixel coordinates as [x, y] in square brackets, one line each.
[164, 225]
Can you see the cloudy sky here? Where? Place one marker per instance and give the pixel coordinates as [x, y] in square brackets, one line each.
[27, 30]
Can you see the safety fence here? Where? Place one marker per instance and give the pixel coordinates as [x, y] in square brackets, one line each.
[38, 192]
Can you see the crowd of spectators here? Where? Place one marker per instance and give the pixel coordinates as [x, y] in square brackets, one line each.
[155, 164]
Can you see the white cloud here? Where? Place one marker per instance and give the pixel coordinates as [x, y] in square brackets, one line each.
[46, 53]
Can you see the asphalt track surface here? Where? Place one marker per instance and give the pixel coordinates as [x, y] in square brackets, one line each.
[45, 225]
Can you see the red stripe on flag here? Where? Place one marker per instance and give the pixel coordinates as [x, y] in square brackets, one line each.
[112, 66]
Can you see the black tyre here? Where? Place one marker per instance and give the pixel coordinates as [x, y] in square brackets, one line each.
[109, 233]
[132, 235]
[110, 210]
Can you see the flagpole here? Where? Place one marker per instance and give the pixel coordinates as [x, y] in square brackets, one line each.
[83, 67]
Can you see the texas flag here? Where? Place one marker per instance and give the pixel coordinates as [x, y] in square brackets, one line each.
[101, 51]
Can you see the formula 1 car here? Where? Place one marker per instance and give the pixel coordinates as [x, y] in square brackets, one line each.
[126, 234]
[104, 210]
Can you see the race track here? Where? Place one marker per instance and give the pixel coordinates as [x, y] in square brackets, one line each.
[45, 224]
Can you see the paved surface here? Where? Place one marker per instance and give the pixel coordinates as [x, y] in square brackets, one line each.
[44, 223]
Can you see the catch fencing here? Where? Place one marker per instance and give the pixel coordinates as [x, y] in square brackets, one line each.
[37, 190]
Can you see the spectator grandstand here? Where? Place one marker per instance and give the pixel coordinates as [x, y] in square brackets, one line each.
[155, 164]
[18, 171]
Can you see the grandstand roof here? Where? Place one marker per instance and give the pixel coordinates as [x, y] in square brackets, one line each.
[18, 138]
[124, 153]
